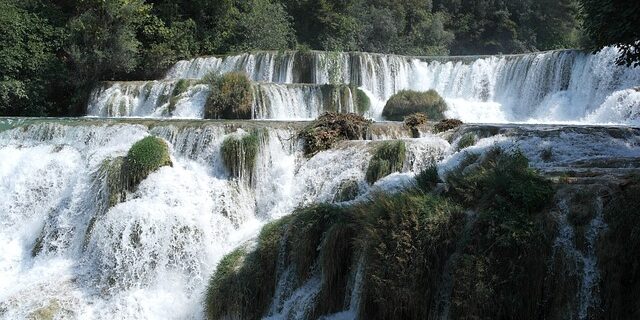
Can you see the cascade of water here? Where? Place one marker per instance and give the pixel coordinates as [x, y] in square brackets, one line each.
[555, 86]
[162, 241]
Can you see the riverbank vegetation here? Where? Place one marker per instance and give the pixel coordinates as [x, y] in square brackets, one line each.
[52, 53]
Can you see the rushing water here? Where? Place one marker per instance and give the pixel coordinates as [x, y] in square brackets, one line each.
[66, 252]
[548, 87]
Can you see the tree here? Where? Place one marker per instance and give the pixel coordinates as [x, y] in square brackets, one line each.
[614, 23]
[30, 71]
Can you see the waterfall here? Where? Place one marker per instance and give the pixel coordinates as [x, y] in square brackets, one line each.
[151, 255]
[566, 86]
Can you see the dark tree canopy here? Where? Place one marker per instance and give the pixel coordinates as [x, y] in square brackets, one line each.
[53, 46]
[614, 22]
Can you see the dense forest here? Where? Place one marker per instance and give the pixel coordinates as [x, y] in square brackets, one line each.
[53, 52]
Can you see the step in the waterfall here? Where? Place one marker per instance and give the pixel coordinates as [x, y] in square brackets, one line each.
[564, 86]
[186, 98]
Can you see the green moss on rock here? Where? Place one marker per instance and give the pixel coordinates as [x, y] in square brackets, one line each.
[231, 96]
[244, 283]
[387, 158]
[347, 191]
[407, 102]
[239, 154]
[181, 87]
[467, 140]
[145, 157]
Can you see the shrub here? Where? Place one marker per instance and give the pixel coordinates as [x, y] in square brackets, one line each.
[414, 121]
[144, 157]
[467, 140]
[231, 96]
[407, 102]
[387, 158]
[239, 154]
[332, 127]
[446, 125]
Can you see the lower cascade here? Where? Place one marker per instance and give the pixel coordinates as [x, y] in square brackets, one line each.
[241, 219]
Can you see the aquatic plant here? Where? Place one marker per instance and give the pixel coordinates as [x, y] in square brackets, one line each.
[408, 102]
[387, 158]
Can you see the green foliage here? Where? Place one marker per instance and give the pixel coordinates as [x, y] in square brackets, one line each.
[230, 98]
[244, 283]
[347, 191]
[499, 275]
[145, 157]
[609, 22]
[467, 140]
[501, 181]
[446, 125]
[239, 155]
[408, 239]
[31, 76]
[617, 253]
[181, 87]
[427, 179]
[264, 26]
[363, 103]
[332, 127]
[387, 159]
[407, 102]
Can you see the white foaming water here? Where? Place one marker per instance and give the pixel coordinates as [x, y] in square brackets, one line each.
[548, 87]
[68, 254]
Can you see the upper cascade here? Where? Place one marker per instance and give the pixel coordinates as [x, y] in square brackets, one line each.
[566, 86]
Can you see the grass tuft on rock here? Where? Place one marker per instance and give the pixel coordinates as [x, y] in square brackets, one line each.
[407, 102]
[330, 128]
[181, 87]
[387, 159]
[145, 157]
[243, 285]
[239, 154]
[231, 96]
[363, 103]
[469, 139]
[427, 179]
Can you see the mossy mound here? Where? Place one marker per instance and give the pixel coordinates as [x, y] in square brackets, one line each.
[244, 283]
[409, 242]
[231, 96]
[239, 154]
[347, 191]
[387, 159]
[181, 87]
[145, 157]
[332, 127]
[618, 253]
[502, 269]
[467, 140]
[407, 102]
[336, 97]
[427, 179]
[414, 121]
[446, 125]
